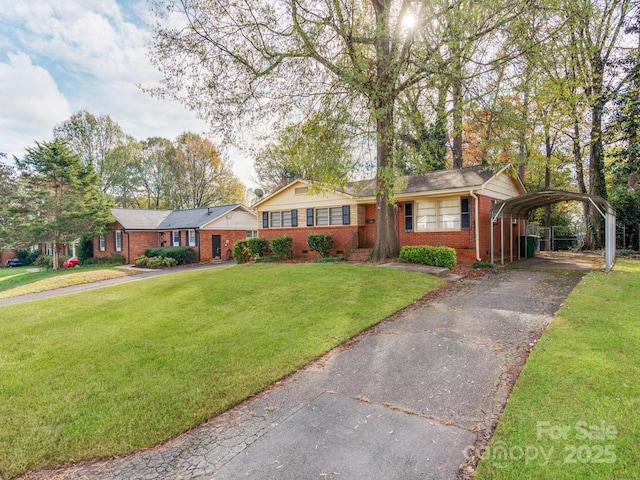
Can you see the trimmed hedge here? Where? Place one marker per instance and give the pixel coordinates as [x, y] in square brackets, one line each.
[182, 255]
[155, 262]
[281, 246]
[320, 243]
[257, 246]
[439, 256]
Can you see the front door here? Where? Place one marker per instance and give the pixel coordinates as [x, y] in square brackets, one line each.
[216, 245]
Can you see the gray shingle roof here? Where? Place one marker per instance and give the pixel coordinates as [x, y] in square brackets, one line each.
[138, 219]
[194, 217]
[437, 180]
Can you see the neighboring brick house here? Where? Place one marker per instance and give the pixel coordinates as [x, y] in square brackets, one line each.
[445, 207]
[210, 231]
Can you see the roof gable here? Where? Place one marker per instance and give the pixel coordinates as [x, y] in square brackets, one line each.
[194, 217]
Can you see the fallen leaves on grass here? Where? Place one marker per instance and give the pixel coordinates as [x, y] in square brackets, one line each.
[64, 281]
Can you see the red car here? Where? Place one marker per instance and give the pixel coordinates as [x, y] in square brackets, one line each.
[71, 262]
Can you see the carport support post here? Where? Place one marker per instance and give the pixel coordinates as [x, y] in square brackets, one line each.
[610, 239]
[501, 240]
[511, 238]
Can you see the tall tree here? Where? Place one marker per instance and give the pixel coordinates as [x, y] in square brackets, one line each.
[155, 173]
[8, 188]
[61, 200]
[200, 176]
[597, 27]
[94, 139]
[317, 149]
[247, 60]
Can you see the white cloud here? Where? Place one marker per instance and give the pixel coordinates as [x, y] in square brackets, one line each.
[94, 53]
[31, 104]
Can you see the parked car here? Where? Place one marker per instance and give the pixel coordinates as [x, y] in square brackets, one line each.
[13, 262]
[71, 262]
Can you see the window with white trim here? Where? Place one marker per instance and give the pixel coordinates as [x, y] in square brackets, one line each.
[449, 214]
[252, 234]
[175, 238]
[283, 219]
[192, 238]
[102, 243]
[439, 215]
[426, 216]
[331, 216]
[118, 240]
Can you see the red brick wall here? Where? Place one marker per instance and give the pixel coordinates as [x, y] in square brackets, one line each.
[227, 239]
[341, 235]
[7, 255]
[135, 242]
[463, 241]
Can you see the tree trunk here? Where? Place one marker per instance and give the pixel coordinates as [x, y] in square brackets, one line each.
[597, 184]
[386, 243]
[456, 93]
[56, 254]
[547, 180]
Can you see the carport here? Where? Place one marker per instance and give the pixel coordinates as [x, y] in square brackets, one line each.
[518, 208]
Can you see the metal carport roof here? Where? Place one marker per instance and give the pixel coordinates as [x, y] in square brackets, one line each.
[520, 206]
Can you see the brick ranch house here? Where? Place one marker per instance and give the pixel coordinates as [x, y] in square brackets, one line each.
[445, 207]
[210, 231]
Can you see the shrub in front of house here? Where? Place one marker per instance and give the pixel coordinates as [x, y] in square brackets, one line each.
[182, 255]
[241, 252]
[281, 246]
[438, 256]
[44, 261]
[85, 250]
[320, 243]
[140, 261]
[257, 246]
[154, 262]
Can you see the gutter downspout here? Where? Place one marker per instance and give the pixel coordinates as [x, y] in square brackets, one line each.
[477, 229]
[124, 230]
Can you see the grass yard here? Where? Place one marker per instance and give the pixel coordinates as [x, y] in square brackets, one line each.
[19, 281]
[115, 369]
[575, 410]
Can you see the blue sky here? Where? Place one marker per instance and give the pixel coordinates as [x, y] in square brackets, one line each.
[61, 56]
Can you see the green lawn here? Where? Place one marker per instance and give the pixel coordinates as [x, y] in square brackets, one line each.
[112, 370]
[11, 278]
[577, 401]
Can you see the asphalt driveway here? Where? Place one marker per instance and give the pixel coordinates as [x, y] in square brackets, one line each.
[411, 398]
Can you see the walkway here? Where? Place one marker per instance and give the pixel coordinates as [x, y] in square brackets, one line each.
[409, 399]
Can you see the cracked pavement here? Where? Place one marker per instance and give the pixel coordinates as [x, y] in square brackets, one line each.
[411, 398]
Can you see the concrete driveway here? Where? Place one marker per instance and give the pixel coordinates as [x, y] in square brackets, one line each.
[411, 398]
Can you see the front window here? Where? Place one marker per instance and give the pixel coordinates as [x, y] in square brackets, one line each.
[118, 240]
[276, 220]
[449, 214]
[286, 218]
[192, 238]
[102, 243]
[426, 216]
[322, 216]
[252, 234]
[175, 238]
[438, 215]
